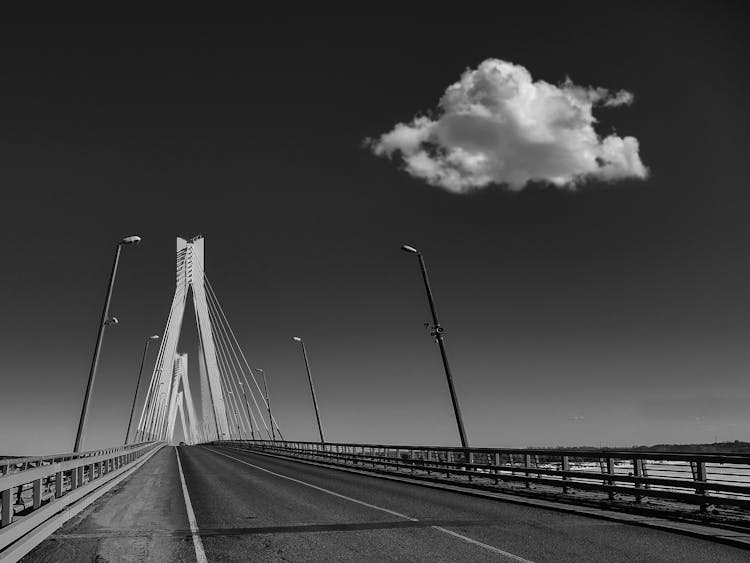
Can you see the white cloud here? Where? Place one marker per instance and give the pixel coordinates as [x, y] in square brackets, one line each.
[497, 126]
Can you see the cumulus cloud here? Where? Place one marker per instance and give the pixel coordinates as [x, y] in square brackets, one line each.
[498, 126]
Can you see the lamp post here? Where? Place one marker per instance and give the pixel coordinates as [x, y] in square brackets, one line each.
[268, 403]
[138, 384]
[247, 406]
[160, 426]
[437, 332]
[97, 348]
[312, 388]
[148, 423]
[236, 414]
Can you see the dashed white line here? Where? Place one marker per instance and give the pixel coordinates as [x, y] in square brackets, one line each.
[363, 503]
[200, 554]
[488, 547]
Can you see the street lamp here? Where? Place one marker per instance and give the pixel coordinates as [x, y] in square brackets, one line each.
[97, 348]
[437, 332]
[150, 416]
[236, 415]
[159, 429]
[268, 404]
[312, 389]
[247, 407]
[138, 384]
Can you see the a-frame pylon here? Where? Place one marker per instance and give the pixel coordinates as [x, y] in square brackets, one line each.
[180, 397]
[157, 418]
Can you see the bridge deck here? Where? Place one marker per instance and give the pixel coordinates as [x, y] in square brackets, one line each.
[251, 507]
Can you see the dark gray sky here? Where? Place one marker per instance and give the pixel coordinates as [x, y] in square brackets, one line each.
[614, 314]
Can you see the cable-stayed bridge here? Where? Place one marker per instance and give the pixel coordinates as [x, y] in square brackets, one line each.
[238, 489]
[230, 394]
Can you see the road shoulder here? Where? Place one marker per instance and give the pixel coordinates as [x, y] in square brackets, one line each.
[141, 519]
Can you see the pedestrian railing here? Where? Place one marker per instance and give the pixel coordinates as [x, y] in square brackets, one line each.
[16, 465]
[34, 490]
[695, 479]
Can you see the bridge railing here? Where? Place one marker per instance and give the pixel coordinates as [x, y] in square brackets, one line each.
[696, 479]
[42, 487]
[18, 464]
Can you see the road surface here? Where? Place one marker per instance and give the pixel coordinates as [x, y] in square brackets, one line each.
[251, 507]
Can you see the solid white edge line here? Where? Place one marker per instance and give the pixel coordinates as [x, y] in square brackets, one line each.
[200, 554]
[438, 528]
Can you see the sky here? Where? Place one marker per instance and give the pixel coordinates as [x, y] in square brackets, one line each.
[595, 297]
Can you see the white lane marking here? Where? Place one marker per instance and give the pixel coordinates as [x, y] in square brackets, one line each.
[363, 503]
[484, 545]
[438, 528]
[200, 554]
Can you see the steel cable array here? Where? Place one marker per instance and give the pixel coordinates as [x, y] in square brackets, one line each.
[160, 407]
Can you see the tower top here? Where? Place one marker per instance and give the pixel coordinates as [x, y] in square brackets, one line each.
[190, 261]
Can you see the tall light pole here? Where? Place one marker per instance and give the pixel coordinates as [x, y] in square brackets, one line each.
[159, 428]
[268, 403]
[247, 406]
[236, 415]
[312, 389]
[138, 384]
[437, 332]
[150, 416]
[97, 348]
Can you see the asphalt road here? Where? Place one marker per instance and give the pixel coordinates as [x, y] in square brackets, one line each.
[250, 507]
[259, 508]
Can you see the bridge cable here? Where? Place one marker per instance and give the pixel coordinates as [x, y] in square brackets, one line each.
[149, 407]
[224, 347]
[225, 378]
[215, 307]
[234, 337]
[252, 394]
[168, 350]
[146, 411]
[227, 345]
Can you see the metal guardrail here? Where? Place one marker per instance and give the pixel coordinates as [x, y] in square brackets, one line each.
[695, 479]
[45, 486]
[15, 465]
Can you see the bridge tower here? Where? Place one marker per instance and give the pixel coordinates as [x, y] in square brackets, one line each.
[189, 429]
[157, 417]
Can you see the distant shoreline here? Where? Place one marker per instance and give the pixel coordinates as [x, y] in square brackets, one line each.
[735, 447]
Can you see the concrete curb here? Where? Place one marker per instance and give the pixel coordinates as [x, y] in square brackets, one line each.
[729, 537]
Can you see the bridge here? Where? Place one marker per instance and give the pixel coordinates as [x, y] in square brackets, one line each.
[236, 488]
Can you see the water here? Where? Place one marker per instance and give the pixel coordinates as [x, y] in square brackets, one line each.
[726, 474]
